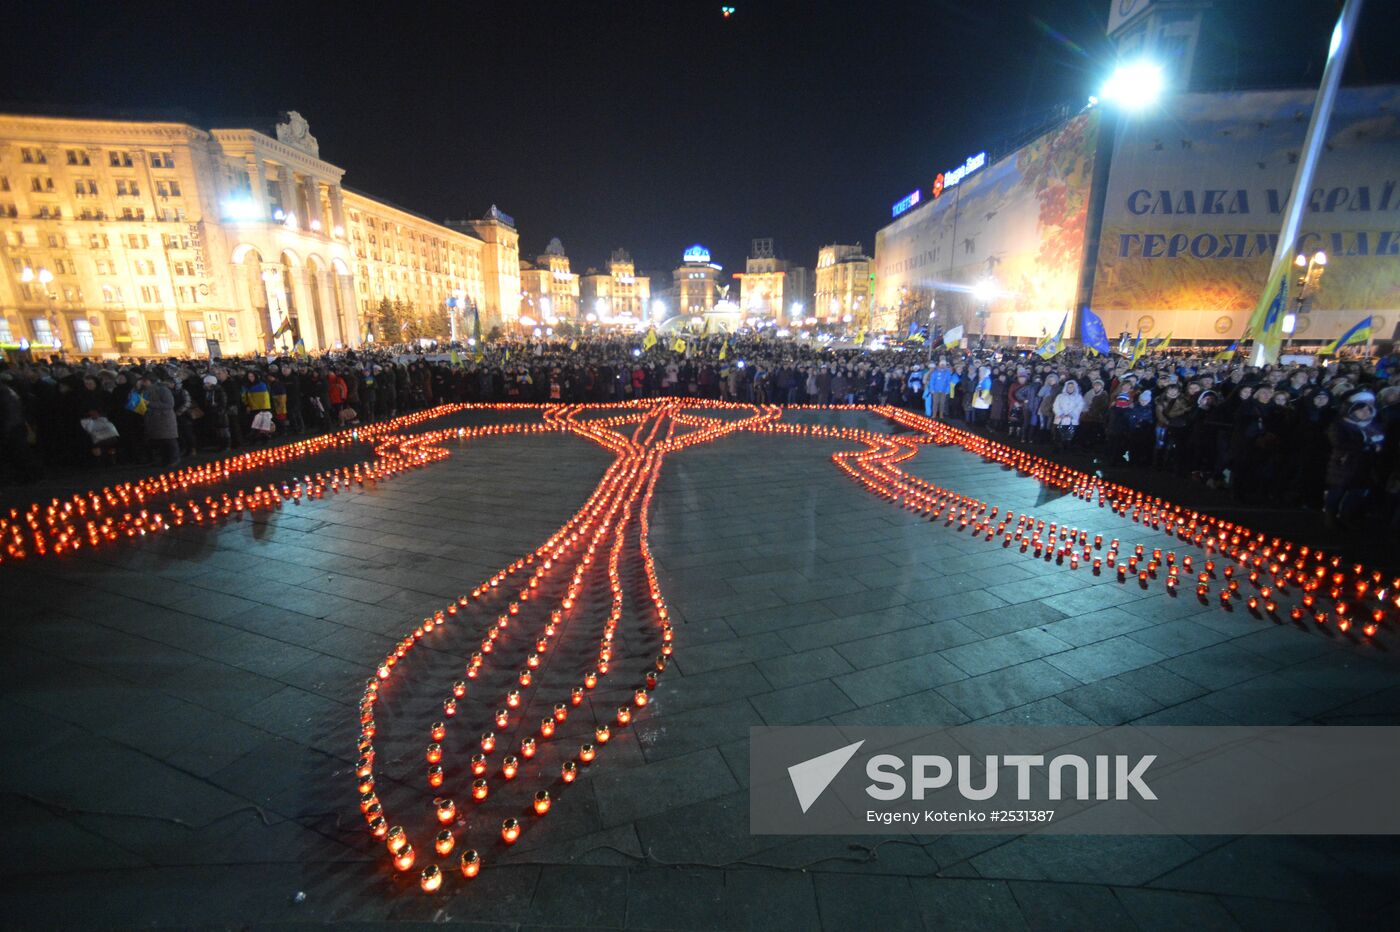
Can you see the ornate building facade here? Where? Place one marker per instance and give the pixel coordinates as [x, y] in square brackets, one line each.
[618, 292]
[844, 285]
[771, 288]
[549, 287]
[153, 239]
[697, 286]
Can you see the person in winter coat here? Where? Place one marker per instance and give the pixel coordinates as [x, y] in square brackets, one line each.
[1066, 410]
[938, 384]
[1173, 415]
[1356, 440]
[338, 393]
[215, 420]
[162, 431]
[979, 402]
[1091, 422]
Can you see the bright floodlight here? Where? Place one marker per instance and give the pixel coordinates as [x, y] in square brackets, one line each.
[658, 309]
[1135, 85]
[984, 290]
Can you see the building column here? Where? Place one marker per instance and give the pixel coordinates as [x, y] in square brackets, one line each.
[287, 181]
[354, 328]
[298, 285]
[258, 177]
[337, 206]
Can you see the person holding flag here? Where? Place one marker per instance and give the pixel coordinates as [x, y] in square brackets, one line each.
[952, 338]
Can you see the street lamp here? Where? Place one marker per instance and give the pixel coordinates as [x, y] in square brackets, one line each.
[658, 309]
[984, 290]
[1135, 85]
[1309, 279]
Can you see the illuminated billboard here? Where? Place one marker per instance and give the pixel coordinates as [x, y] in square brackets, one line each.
[1195, 200]
[1018, 221]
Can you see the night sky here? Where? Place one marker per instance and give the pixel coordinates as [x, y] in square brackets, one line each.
[649, 125]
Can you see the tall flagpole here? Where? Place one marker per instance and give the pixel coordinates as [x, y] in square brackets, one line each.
[1267, 338]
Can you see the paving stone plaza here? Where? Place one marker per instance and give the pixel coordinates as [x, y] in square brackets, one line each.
[182, 709]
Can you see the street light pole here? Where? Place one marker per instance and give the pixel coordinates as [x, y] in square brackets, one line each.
[1310, 278]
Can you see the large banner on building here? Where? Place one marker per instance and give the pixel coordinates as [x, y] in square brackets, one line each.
[1017, 224]
[1195, 201]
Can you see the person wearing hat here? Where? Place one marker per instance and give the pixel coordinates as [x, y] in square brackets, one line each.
[215, 420]
[1356, 440]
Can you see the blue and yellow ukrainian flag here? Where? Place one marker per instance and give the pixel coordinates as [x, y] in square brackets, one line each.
[1359, 333]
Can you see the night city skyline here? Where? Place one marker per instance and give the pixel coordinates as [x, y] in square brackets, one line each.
[648, 126]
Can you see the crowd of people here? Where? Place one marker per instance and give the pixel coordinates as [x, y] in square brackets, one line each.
[1312, 436]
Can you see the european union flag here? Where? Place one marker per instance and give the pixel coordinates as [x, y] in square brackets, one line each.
[1095, 337]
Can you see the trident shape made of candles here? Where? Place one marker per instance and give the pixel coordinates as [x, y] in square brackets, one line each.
[519, 622]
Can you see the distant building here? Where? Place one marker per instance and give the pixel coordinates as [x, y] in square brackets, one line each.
[843, 285]
[770, 288]
[500, 263]
[549, 288]
[616, 293]
[154, 238]
[696, 281]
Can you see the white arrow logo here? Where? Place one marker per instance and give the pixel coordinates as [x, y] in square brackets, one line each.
[811, 777]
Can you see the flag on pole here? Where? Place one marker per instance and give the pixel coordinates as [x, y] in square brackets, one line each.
[1266, 323]
[1139, 349]
[1095, 336]
[678, 346]
[1163, 343]
[284, 327]
[573, 345]
[953, 338]
[913, 329]
[860, 337]
[1052, 346]
[299, 349]
[1227, 353]
[724, 351]
[1359, 333]
[649, 340]
[456, 359]
[476, 333]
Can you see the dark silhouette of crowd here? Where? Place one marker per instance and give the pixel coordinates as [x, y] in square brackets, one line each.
[1317, 436]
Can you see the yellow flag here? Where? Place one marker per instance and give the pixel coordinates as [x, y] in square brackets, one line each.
[456, 360]
[678, 346]
[649, 340]
[860, 337]
[1139, 349]
[573, 345]
[1164, 342]
[724, 350]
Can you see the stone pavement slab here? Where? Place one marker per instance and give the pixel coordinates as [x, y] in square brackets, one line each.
[183, 716]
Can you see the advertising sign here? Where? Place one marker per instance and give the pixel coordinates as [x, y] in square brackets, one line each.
[1018, 222]
[1194, 207]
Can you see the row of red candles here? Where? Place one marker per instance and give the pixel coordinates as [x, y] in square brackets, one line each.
[634, 471]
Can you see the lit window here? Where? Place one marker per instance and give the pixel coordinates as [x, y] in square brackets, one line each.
[43, 331]
[198, 342]
[82, 335]
[6, 336]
